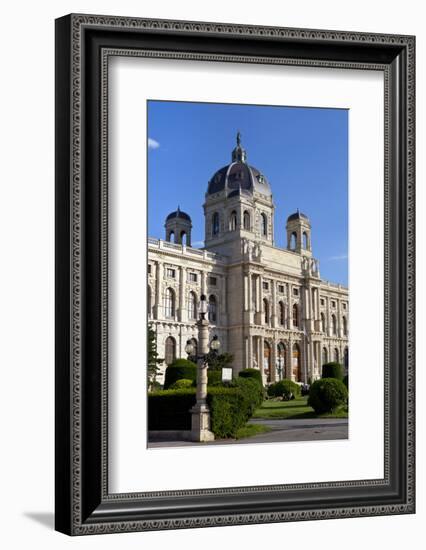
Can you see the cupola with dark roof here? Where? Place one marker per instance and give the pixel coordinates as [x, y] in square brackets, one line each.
[178, 227]
[299, 233]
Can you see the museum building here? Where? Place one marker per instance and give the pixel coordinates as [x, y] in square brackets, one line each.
[269, 306]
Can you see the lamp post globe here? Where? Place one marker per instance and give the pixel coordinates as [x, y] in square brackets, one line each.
[215, 343]
[189, 348]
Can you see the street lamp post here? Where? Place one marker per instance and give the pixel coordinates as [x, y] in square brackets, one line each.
[280, 368]
[200, 419]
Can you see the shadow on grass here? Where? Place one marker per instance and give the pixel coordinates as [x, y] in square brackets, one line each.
[284, 405]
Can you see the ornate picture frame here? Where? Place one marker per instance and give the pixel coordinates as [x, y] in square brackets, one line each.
[84, 43]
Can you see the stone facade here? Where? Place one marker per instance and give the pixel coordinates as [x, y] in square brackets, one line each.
[269, 306]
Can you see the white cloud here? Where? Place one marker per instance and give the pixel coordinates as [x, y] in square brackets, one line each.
[339, 257]
[153, 144]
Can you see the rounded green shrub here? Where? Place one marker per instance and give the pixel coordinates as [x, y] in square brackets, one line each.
[178, 370]
[332, 370]
[284, 388]
[251, 373]
[182, 383]
[327, 394]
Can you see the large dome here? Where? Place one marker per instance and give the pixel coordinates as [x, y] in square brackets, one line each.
[238, 175]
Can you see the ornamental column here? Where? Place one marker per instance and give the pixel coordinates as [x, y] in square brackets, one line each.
[289, 373]
[200, 413]
[158, 297]
[328, 318]
[274, 303]
[223, 305]
[290, 306]
[182, 295]
[273, 370]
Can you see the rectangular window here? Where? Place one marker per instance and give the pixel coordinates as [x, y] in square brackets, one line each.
[322, 301]
[212, 281]
[281, 289]
[333, 303]
[149, 269]
[192, 277]
[265, 286]
[171, 273]
[344, 306]
[295, 292]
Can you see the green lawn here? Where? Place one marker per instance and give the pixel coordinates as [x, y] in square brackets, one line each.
[249, 430]
[297, 408]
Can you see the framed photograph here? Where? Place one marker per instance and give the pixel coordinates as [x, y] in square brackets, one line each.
[234, 274]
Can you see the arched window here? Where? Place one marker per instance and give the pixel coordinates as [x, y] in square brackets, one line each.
[336, 355]
[281, 366]
[322, 322]
[296, 364]
[281, 311]
[170, 303]
[192, 306]
[215, 224]
[305, 240]
[264, 225]
[324, 356]
[212, 309]
[149, 299]
[233, 221]
[246, 220]
[183, 238]
[170, 350]
[295, 315]
[293, 241]
[345, 326]
[171, 237]
[265, 311]
[334, 324]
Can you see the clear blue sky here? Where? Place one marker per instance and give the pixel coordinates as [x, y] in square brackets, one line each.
[303, 152]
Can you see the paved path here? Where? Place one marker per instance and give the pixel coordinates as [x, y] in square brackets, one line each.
[309, 429]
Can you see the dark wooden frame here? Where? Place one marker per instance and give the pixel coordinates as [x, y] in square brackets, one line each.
[83, 45]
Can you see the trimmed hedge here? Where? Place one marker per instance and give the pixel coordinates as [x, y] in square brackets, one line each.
[251, 373]
[254, 391]
[229, 410]
[332, 370]
[169, 409]
[182, 383]
[327, 394]
[181, 368]
[214, 377]
[230, 407]
[284, 388]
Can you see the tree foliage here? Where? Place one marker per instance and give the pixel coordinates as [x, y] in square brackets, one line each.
[217, 361]
[154, 361]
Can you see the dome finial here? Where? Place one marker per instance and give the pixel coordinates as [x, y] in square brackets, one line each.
[239, 153]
